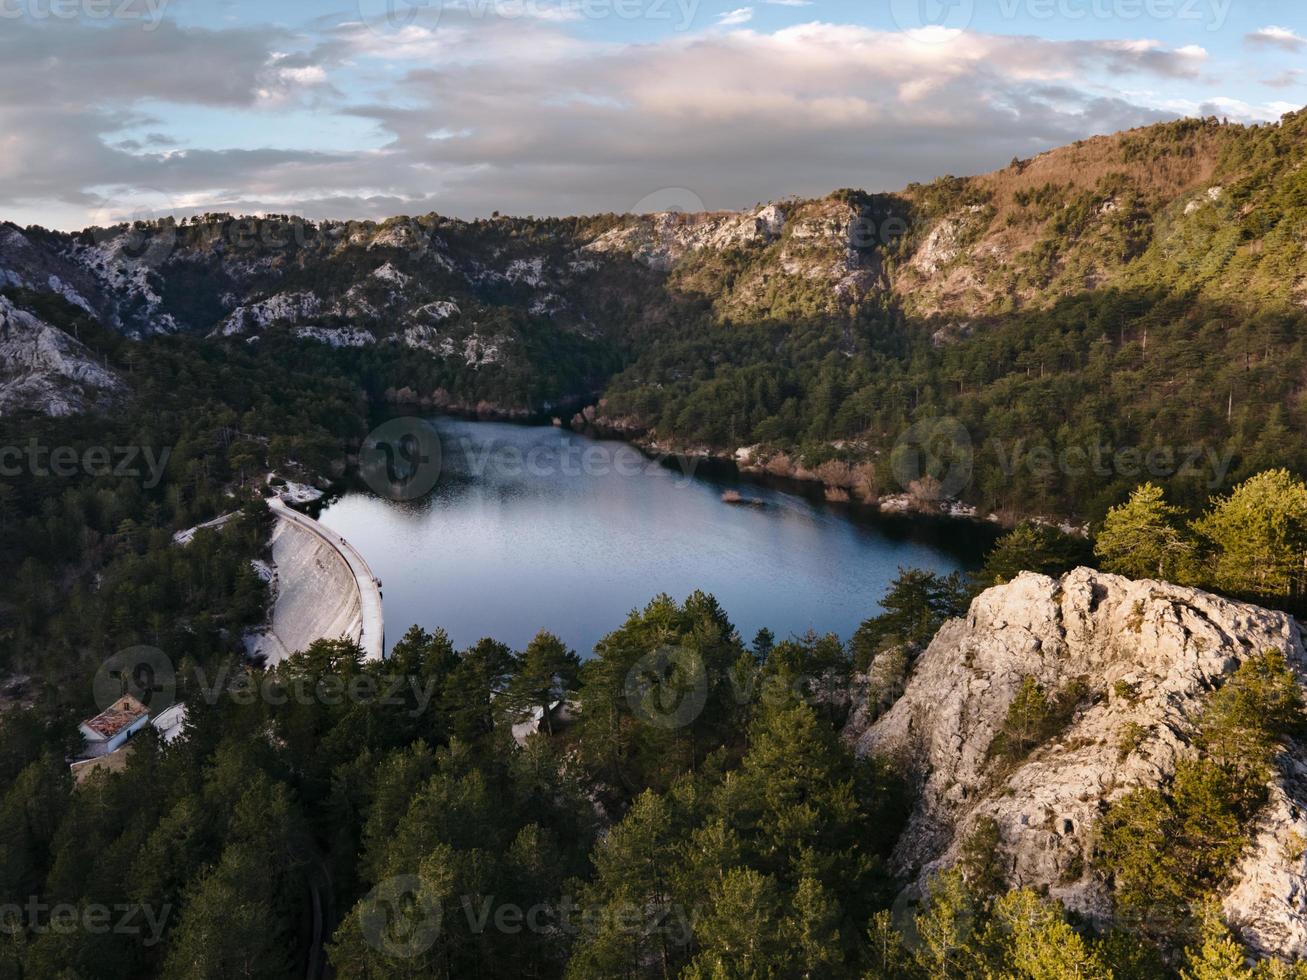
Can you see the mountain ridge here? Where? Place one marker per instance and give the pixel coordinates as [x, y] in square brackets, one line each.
[798, 330]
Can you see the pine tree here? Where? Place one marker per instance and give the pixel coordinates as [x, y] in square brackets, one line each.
[1258, 537]
[1032, 547]
[946, 930]
[544, 674]
[887, 959]
[738, 935]
[1217, 956]
[1145, 538]
[1032, 940]
[631, 895]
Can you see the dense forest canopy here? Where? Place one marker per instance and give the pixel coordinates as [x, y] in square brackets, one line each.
[1117, 330]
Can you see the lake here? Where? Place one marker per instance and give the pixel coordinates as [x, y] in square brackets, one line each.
[536, 527]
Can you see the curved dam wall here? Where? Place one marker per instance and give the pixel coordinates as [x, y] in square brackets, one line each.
[324, 590]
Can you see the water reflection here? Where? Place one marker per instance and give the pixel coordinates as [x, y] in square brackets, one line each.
[535, 528]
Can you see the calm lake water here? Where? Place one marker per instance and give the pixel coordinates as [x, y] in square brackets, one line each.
[533, 527]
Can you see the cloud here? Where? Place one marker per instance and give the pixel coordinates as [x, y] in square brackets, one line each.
[1286, 79]
[1236, 110]
[1280, 37]
[1148, 56]
[520, 115]
[749, 116]
[732, 18]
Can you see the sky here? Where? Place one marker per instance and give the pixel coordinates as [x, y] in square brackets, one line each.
[115, 109]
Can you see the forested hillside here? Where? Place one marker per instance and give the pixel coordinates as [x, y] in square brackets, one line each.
[1116, 330]
[1137, 292]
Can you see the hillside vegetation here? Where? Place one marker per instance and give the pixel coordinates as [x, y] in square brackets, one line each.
[1068, 773]
[1142, 293]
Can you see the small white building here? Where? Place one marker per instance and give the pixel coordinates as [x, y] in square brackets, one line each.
[113, 726]
[170, 722]
[561, 714]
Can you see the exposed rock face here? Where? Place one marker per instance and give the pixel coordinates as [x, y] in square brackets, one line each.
[281, 308]
[338, 336]
[660, 240]
[487, 297]
[44, 369]
[827, 241]
[1170, 646]
[110, 275]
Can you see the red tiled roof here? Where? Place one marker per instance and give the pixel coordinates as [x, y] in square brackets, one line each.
[119, 715]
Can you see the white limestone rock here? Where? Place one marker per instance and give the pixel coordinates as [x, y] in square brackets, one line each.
[45, 370]
[1171, 646]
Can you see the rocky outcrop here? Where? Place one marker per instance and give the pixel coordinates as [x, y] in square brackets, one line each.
[828, 241]
[43, 369]
[660, 240]
[281, 308]
[1146, 655]
[110, 274]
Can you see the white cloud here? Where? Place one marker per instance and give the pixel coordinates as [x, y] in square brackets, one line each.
[307, 75]
[1236, 110]
[523, 117]
[1280, 37]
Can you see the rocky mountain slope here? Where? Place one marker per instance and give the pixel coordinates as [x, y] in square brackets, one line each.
[483, 299]
[1143, 658]
[43, 366]
[654, 310]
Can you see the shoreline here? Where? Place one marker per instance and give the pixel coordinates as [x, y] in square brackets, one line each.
[720, 463]
[796, 477]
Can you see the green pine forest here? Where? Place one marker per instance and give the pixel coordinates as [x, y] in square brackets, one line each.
[750, 842]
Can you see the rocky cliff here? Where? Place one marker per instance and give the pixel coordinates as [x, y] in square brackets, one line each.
[1143, 658]
[1208, 210]
[552, 301]
[44, 368]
